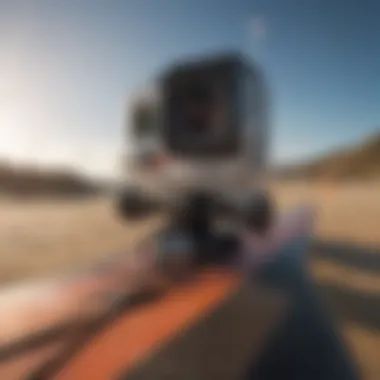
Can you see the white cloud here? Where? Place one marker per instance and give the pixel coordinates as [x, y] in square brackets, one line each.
[258, 28]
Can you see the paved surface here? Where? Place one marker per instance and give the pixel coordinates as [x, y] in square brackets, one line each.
[307, 345]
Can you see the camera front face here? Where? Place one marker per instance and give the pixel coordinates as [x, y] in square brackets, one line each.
[200, 110]
[203, 107]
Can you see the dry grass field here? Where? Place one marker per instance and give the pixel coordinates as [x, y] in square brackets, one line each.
[45, 237]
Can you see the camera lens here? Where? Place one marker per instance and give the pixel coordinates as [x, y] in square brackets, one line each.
[200, 93]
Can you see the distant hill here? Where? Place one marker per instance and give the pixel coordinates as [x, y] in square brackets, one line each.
[356, 162]
[18, 180]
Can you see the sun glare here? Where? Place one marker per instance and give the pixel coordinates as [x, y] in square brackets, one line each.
[14, 129]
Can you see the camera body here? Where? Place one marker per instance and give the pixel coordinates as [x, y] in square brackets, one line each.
[202, 126]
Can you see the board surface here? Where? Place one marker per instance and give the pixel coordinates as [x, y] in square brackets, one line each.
[211, 326]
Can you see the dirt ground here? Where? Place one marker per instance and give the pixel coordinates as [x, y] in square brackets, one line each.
[39, 238]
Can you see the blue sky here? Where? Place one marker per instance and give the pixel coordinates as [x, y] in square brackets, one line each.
[68, 68]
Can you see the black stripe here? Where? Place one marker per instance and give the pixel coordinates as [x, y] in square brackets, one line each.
[31, 342]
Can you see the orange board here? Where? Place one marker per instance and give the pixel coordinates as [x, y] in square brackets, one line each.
[134, 336]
